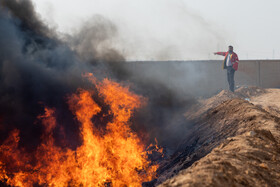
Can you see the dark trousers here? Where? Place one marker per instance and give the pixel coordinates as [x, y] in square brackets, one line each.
[230, 77]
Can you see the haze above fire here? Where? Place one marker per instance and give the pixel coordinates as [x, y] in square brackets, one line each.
[181, 29]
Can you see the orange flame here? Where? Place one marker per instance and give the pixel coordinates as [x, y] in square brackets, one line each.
[115, 157]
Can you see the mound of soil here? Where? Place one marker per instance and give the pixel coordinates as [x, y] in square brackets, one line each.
[270, 101]
[251, 91]
[233, 142]
[204, 105]
[247, 160]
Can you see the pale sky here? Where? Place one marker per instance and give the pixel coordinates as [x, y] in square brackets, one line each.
[176, 29]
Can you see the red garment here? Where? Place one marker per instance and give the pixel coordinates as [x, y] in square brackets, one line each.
[233, 58]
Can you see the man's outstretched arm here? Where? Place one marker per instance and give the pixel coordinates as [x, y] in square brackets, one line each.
[220, 53]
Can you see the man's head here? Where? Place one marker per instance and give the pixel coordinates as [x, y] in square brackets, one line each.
[230, 49]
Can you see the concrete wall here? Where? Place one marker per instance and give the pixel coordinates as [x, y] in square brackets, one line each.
[207, 77]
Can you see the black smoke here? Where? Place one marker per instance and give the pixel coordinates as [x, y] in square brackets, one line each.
[35, 68]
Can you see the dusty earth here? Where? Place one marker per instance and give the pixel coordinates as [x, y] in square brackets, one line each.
[234, 141]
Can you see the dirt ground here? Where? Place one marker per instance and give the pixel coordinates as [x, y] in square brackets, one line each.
[235, 141]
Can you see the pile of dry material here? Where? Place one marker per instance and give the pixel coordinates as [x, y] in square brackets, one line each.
[235, 143]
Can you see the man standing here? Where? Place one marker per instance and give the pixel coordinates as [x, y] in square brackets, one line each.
[231, 64]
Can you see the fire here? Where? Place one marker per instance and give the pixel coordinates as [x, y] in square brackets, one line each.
[113, 156]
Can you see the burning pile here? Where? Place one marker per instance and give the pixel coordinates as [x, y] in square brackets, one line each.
[112, 156]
